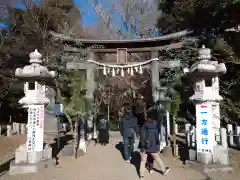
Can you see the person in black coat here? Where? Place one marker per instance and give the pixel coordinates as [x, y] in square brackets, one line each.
[103, 131]
[129, 129]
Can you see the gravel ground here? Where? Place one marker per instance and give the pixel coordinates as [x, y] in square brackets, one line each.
[106, 163]
[8, 146]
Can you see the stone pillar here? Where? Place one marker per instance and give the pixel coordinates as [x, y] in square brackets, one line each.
[90, 85]
[223, 132]
[238, 136]
[220, 155]
[9, 130]
[17, 128]
[168, 122]
[193, 136]
[164, 123]
[155, 76]
[230, 135]
[187, 133]
[23, 128]
[14, 127]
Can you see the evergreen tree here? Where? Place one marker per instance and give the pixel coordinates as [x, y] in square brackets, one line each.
[208, 20]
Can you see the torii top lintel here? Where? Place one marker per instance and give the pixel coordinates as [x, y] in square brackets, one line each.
[125, 43]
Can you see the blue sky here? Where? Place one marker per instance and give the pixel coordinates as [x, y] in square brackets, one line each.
[89, 17]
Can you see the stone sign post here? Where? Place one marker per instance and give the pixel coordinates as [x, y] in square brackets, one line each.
[164, 118]
[211, 146]
[34, 154]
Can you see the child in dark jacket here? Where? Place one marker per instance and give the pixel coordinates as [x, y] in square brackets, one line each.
[150, 144]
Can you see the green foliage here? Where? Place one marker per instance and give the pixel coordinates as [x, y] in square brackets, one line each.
[113, 124]
[28, 29]
[175, 105]
[75, 103]
[178, 87]
[209, 20]
[229, 89]
[202, 16]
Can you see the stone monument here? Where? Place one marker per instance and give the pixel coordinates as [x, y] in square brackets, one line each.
[163, 100]
[34, 154]
[211, 138]
[51, 124]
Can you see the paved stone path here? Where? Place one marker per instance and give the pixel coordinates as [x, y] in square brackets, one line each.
[105, 163]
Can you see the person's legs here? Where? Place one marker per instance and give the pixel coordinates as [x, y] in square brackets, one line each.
[105, 137]
[126, 148]
[150, 163]
[142, 164]
[160, 163]
[100, 136]
[131, 146]
[141, 119]
[108, 136]
[136, 144]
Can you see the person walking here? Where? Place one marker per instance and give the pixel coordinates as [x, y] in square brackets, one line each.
[140, 110]
[149, 145]
[129, 129]
[103, 131]
[149, 163]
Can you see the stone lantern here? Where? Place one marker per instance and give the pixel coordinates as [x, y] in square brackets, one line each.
[204, 75]
[29, 157]
[35, 74]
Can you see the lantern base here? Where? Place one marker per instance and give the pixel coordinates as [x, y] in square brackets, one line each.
[209, 168]
[25, 168]
[30, 162]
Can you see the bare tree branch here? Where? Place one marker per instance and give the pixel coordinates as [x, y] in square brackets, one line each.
[138, 17]
[4, 35]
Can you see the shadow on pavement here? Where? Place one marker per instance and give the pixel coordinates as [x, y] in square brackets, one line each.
[63, 140]
[136, 158]
[120, 148]
[5, 167]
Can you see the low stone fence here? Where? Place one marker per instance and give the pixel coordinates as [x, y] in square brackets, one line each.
[233, 133]
[190, 134]
[13, 129]
[220, 146]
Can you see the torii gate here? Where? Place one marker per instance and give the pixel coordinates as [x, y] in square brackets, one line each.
[124, 50]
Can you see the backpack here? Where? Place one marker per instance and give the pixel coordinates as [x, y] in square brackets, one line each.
[150, 138]
[103, 124]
